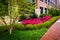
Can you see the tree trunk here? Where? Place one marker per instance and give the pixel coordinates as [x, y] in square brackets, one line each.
[13, 10]
[10, 29]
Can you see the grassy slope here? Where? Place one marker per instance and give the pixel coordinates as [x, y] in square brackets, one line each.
[23, 35]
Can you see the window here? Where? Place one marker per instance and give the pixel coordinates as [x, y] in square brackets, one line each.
[41, 10]
[41, 0]
[45, 1]
[45, 10]
[33, 0]
[48, 2]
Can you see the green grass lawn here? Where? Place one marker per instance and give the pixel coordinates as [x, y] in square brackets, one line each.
[23, 35]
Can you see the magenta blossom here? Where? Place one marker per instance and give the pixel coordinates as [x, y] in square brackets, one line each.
[36, 20]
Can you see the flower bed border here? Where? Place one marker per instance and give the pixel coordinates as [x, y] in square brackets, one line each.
[46, 24]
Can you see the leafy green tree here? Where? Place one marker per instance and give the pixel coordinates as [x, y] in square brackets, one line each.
[16, 8]
[9, 8]
[13, 13]
[13, 9]
[26, 7]
[3, 10]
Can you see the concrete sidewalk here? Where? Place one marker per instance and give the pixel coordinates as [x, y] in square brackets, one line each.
[53, 33]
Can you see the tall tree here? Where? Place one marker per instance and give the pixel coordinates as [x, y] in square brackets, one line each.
[26, 7]
[13, 8]
[3, 10]
[13, 13]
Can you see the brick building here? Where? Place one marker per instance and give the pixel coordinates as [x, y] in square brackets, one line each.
[58, 4]
[43, 5]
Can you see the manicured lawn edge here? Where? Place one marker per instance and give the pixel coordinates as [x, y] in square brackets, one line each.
[31, 27]
[37, 26]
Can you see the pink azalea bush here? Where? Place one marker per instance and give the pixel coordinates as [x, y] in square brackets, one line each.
[36, 20]
[45, 18]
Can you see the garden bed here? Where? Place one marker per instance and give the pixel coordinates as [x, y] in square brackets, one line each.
[36, 20]
[36, 26]
[26, 32]
[31, 27]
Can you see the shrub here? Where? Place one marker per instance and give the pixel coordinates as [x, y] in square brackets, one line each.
[54, 12]
[46, 18]
[3, 28]
[18, 26]
[48, 23]
[36, 20]
[33, 15]
[22, 17]
[29, 26]
[38, 26]
[32, 21]
[41, 15]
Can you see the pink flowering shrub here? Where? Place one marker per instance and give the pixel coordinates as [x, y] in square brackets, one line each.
[32, 21]
[36, 20]
[45, 18]
[24, 22]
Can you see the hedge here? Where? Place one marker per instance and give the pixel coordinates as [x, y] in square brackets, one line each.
[36, 26]
[3, 28]
[29, 26]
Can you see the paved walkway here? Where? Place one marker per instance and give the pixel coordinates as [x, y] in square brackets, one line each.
[53, 33]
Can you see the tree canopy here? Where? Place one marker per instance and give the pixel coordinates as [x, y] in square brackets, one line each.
[3, 8]
[14, 8]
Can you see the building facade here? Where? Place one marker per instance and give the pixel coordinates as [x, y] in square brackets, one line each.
[53, 3]
[58, 4]
[43, 5]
